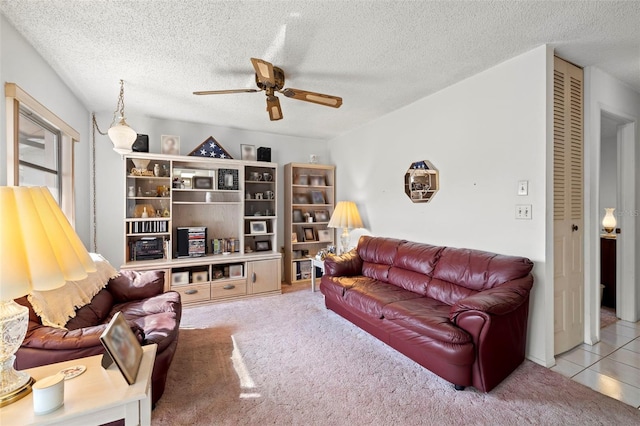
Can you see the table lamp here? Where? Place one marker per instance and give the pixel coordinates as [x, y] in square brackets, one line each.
[345, 216]
[609, 222]
[39, 250]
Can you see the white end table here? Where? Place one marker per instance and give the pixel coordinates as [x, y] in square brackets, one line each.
[95, 397]
[315, 263]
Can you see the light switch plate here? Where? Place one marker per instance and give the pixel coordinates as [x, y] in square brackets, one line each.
[523, 187]
[523, 211]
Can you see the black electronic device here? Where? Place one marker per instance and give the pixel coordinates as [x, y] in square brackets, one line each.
[146, 248]
[141, 144]
[264, 154]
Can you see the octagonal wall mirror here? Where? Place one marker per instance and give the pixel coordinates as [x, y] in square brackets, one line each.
[421, 182]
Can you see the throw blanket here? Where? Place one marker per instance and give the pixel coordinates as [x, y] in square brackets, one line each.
[56, 307]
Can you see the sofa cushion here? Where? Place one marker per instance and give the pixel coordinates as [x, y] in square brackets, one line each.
[409, 280]
[370, 297]
[94, 313]
[133, 285]
[158, 317]
[339, 285]
[417, 257]
[428, 317]
[479, 270]
[447, 292]
[377, 255]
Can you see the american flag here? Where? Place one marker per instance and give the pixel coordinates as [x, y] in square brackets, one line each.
[212, 149]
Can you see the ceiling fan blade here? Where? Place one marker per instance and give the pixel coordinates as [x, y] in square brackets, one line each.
[316, 98]
[264, 71]
[273, 107]
[225, 92]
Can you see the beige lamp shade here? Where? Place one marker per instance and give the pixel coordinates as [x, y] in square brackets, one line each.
[345, 215]
[609, 220]
[39, 249]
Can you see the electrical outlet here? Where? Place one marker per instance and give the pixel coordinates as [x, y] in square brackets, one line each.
[523, 187]
[523, 211]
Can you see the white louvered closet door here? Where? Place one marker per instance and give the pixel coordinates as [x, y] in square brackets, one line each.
[568, 206]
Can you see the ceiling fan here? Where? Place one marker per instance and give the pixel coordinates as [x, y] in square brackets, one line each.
[271, 79]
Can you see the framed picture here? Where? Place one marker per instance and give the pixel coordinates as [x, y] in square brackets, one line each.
[228, 179]
[317, 180]
[294, 237]
[170, 144]
[258, 227]
[263, 245]
[324, 235]
[248, 152]
[309, 234]
[301, 180]
[297, 216]
[322, 216]
[300, 199]
[317, 197]
[200, 276]
[202, 182]
[121, 347]
[235, 271]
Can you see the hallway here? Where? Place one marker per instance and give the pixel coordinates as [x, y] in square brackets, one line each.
[611, 367]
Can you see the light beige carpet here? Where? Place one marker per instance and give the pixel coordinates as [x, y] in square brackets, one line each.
[286, 360]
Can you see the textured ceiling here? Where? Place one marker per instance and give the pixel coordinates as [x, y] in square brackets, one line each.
[379, 56]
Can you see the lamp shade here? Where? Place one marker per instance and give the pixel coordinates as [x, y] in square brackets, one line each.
[609, 220]
[345, 215]
[39, 250]
[122, 137]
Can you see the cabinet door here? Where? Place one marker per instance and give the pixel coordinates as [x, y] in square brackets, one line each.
[264, 276]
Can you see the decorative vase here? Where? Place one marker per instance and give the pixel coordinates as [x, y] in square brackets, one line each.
[156, 170]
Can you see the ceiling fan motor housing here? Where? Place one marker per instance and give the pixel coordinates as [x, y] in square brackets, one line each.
[278, 75]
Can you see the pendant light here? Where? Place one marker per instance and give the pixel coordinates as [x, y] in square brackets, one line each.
[120, 133]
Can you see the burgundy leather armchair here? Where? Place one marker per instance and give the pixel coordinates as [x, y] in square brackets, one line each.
[460, 313]
[154, 317]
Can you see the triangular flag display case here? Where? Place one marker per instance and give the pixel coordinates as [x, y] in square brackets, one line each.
[211, 148]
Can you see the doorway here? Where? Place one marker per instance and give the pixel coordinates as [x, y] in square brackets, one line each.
[617, 190]
[608, 199]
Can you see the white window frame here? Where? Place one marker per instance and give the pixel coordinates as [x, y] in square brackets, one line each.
[15, 97]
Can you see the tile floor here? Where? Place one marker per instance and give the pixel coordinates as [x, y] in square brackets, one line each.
[611, 367]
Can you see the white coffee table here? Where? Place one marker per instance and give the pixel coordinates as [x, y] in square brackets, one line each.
[95, 397]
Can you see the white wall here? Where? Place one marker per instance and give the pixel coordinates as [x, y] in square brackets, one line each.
[605, 94]
[110, 170]
[483, 134]
[22, 65]
[608, 174]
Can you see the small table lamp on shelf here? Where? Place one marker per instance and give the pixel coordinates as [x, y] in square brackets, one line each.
[39, 250]
[345, 216]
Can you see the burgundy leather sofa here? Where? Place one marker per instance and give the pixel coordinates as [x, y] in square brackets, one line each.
[460, 313]
[153, 315]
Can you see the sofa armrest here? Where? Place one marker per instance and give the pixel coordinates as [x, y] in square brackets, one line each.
[496, 301]
[134, 285]
[51, 338]
[346, 265]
